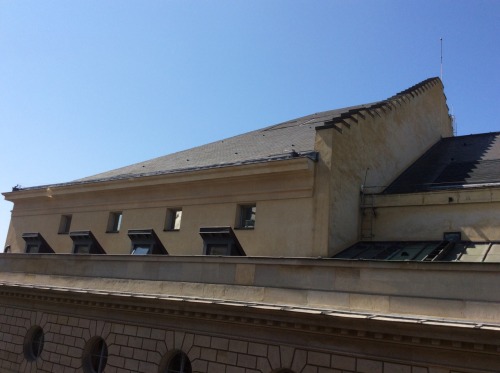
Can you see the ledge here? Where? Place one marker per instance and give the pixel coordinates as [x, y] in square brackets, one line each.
[181, 176]
[480, 194]
[388, 288]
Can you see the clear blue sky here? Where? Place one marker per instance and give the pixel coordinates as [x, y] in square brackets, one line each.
[89, 86]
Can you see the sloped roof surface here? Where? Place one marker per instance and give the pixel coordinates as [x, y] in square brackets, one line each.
[454, 162]
[427, 251]
[293, 138]
[290, 139]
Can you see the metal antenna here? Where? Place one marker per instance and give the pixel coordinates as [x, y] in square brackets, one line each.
[441, 39]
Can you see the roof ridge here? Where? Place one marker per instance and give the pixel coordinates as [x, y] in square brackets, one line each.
[384, 105]
[417, 87]
[472, 135]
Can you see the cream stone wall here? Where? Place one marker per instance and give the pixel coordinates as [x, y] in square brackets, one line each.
[282, 191]
[426, 216]
[322, 193]
[379, 147]
[304, 208]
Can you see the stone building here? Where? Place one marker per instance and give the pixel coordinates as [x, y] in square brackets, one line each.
[362, 239]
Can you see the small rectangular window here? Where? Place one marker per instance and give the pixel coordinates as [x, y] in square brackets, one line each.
[173, 220]
[114, 222]
[247, 216]
[65, 224]
[452, 236]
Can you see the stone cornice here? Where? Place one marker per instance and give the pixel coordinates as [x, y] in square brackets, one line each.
[276, 167]
[374, 288]
[469, 195]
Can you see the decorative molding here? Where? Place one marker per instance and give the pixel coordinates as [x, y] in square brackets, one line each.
[307, 320]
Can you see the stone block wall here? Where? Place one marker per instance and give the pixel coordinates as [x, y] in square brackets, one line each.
[139, 348]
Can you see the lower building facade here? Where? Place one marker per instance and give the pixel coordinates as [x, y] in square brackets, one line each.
[246, 315]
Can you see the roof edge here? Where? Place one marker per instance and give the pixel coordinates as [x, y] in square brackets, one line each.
[306, 157]
[384, 105]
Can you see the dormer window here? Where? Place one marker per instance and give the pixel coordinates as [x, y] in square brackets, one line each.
[145, 242]
[36, 244]
[84, 242]
[220, 241]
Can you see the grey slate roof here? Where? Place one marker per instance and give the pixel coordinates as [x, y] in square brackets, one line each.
[454, 162]
[287, 140]
[290, 139]
[293, 138]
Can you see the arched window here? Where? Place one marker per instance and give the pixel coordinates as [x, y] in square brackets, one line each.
[176, 362]
[33, 343]
[95, 356]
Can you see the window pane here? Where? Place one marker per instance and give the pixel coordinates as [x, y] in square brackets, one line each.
[99, 356]
[173, 219]
[32, 249]
[65, 224]
[247, 216]
[177, 220]
[82, 249]
[118, 222]
[37, 344]
[33, 343]
[214, 249]
[179, 364]
[141, 250]
[114, 222]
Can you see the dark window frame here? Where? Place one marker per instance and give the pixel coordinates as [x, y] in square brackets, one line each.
[171, 219]
[245, 213]
[85, 239]
[176, 361]
[65, 224]
[33, 343]
[95, 355]
[222, 239]
[452, 236]
[36, 244]
[115, 221]
[145, 239]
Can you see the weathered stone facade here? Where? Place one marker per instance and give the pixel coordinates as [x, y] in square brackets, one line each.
[140, 348]
[282, 305]
[248, 315]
